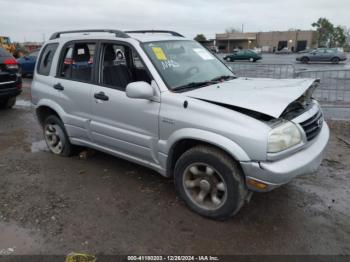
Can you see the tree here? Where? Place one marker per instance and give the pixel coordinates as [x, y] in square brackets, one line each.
[339, 37]
[324, 30]
[329, 35]
[232, 30]
[200, 38]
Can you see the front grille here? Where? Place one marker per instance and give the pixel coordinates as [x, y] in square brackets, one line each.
[313, 126]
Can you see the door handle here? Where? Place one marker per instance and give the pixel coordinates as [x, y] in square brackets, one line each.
[101, 96]
[59, 87]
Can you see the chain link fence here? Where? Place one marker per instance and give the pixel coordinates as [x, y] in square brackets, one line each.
[256, 70]
[334, 87]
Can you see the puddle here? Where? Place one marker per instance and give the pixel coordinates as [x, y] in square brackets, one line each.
[23, 103]
[16, 240]
[39, 146]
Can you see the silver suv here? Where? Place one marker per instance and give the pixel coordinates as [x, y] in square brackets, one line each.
[169, 104]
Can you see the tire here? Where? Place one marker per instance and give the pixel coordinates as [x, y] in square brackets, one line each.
[8, 103]
[229, 59]
[335, 60]
[252, 60]
[305, 60]
[219, 178]
[56, 137]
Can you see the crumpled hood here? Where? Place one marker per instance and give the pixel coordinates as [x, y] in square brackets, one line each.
[268, 96]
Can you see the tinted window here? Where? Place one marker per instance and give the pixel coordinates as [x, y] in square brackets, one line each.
[45, 60]
[77, 62]
[115, 71]
[120, 66]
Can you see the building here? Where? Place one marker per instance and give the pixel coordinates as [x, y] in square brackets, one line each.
[294, 40]
[30, 46]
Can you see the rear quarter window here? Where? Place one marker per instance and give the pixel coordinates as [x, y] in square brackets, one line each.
[45, 60]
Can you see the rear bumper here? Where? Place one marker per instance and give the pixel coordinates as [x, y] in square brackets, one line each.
[10, 89]
[275, 174]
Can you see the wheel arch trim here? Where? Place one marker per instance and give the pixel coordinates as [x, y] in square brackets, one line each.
[224, 143]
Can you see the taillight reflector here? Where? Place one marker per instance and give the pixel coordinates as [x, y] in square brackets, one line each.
[11, 63]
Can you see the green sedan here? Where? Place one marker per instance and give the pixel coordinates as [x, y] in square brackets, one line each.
[243, 55]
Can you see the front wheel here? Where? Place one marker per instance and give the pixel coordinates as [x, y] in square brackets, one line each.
[56, 137]
[335, 60]
[210, 182]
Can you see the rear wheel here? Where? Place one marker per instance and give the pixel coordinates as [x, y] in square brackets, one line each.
[252, 59]
[210, 182]
[8, 103]
[335, 60]
[56, 137]
[305, 60]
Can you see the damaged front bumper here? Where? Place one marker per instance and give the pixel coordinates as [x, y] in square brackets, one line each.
[266, 176]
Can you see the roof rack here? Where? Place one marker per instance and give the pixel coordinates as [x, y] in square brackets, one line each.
[154, 31]
[117, 33]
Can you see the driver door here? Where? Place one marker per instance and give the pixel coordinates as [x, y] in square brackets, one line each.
[119, 123]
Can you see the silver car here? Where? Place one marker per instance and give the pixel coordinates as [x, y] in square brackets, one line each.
[332, 55]
[171, 105]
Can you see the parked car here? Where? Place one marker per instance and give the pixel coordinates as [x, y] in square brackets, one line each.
[27, 63]
[214, 49]
[247, 55]
[332, 55]
[180, 111]
[283, 51]
[10, 79]
[257, 50]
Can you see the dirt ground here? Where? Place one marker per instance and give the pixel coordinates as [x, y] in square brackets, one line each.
[104, 205]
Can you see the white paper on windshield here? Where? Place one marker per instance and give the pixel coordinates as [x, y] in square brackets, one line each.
[205, 55]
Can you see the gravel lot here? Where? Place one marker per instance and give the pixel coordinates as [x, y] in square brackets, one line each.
[104, 205]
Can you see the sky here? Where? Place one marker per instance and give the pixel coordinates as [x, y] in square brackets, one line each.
[34, 20]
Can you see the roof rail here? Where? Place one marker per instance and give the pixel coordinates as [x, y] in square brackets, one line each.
[117, 33]
[153, 31]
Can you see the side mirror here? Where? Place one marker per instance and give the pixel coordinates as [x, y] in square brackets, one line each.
[139, 90]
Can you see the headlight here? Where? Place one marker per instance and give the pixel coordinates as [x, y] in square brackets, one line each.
[283, 137]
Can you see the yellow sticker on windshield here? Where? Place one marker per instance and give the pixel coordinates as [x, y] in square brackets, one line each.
[158, 51]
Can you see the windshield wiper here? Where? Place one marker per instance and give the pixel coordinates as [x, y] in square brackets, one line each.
[223, 78]
[194, 85]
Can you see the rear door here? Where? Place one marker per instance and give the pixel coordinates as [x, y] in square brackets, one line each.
[128, 126]
[74, 82]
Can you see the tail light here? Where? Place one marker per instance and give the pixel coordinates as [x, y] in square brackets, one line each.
[11, 63]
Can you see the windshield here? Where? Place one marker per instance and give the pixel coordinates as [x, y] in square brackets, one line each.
[182, 63]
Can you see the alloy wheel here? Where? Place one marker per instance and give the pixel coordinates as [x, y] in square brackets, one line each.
[204, 186]
[55, 138]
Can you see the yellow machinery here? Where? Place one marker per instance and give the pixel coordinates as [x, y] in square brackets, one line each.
[6, 43]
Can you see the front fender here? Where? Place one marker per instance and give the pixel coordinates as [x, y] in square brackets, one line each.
[229, 146]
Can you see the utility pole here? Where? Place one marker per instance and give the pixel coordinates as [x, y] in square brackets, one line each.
[242, 28]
